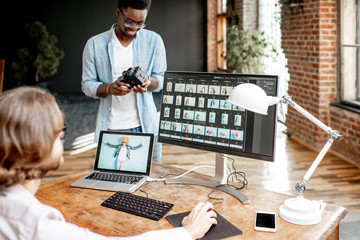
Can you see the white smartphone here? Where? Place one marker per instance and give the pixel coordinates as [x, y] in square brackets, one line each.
[265, 221]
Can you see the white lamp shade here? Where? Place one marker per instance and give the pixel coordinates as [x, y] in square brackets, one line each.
[252, 97]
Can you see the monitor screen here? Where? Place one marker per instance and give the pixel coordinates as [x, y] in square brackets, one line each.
[195, 113]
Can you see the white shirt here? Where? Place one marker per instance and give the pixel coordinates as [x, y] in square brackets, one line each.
[124, 112]
[23, 217]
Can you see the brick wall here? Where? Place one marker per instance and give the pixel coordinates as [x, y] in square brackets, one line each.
[309, 40]
[211, 35]
[309, 43]
[348, 123]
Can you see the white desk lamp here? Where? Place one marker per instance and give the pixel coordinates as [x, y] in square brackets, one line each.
[295, 210]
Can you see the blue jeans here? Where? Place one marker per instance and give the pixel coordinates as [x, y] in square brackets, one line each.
[156, 157]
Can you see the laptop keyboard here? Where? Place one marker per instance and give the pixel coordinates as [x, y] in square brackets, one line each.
[111, 177]
[138, 205]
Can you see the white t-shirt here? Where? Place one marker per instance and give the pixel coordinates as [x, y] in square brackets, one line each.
[124, 112]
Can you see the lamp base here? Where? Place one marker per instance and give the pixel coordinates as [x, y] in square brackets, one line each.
[301, 211]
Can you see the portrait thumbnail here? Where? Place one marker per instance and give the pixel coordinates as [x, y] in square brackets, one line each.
[237, 120]
[226, 90]
[201, 102]
[189, 101]
[212, 117]
[187, 128]
[166, 112]
[199, 130]
[188, 115]
[210, 131]
[175, 126]
[200, 116]
[165, 125]
[177, 114]
[202, 89]
[169, 86]
[224, 118]
[179, 87]
[237, 135]
[213, 103]
[190, 88]
[224, 104]
[223, 133]
[215, 90]
[168, 99]
[178, 100]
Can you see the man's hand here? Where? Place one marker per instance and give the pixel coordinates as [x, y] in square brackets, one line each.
[200, 219]
[143, 87]
[119, 88]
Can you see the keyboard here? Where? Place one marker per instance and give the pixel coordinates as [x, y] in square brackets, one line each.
[137, 205]
[113, 177]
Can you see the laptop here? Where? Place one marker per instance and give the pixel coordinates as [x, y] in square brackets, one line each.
[122, 162]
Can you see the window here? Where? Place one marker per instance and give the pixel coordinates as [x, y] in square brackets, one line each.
[350, 52]
[221, 33]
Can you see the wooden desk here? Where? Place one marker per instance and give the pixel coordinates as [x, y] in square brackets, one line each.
[82, 207]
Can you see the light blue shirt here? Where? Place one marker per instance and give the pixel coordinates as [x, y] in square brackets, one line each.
[98, 61]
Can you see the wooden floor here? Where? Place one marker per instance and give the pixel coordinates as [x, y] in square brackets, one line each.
[334, 181]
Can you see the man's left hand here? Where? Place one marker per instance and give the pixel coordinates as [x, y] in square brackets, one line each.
[143, 87]
[140, 88]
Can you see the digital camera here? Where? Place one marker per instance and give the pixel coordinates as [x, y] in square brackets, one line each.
[133, 76]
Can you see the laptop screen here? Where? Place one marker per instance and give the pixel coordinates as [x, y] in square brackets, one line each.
[125, 152]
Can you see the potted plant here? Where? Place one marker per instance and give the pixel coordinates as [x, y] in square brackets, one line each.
[244, 50]
[40, 59]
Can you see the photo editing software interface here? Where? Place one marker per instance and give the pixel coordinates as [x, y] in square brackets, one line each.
[195, 113]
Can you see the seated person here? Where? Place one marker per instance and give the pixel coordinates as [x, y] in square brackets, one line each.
[31, 130]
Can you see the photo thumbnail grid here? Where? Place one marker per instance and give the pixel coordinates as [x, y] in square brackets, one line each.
[198, 111]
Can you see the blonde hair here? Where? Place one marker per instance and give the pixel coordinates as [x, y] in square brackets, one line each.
[125, 139]
[30, 122]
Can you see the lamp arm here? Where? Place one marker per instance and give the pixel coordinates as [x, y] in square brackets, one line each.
[288, 100]
[334, 135]
[300, 187]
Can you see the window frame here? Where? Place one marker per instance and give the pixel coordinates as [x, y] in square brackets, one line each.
[349, 69]
[221, 34]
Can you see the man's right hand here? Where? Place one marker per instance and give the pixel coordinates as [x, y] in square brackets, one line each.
[119, 88]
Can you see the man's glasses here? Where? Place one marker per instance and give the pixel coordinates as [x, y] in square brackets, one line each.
[129, 22]
[63, 133]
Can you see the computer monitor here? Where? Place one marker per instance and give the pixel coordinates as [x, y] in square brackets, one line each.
[195, 113]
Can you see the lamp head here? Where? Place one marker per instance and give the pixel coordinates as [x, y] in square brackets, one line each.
[252, 98]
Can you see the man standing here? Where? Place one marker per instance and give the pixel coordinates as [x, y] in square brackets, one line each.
[108, 54]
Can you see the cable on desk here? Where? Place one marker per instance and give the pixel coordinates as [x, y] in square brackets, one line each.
[221, 200]
[240, 177]
[193, 169]
[150, 179]
[140, 189]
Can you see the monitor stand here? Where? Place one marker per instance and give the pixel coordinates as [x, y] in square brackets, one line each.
[219, 181]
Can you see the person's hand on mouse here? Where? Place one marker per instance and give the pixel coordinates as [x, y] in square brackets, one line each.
[200, 219]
